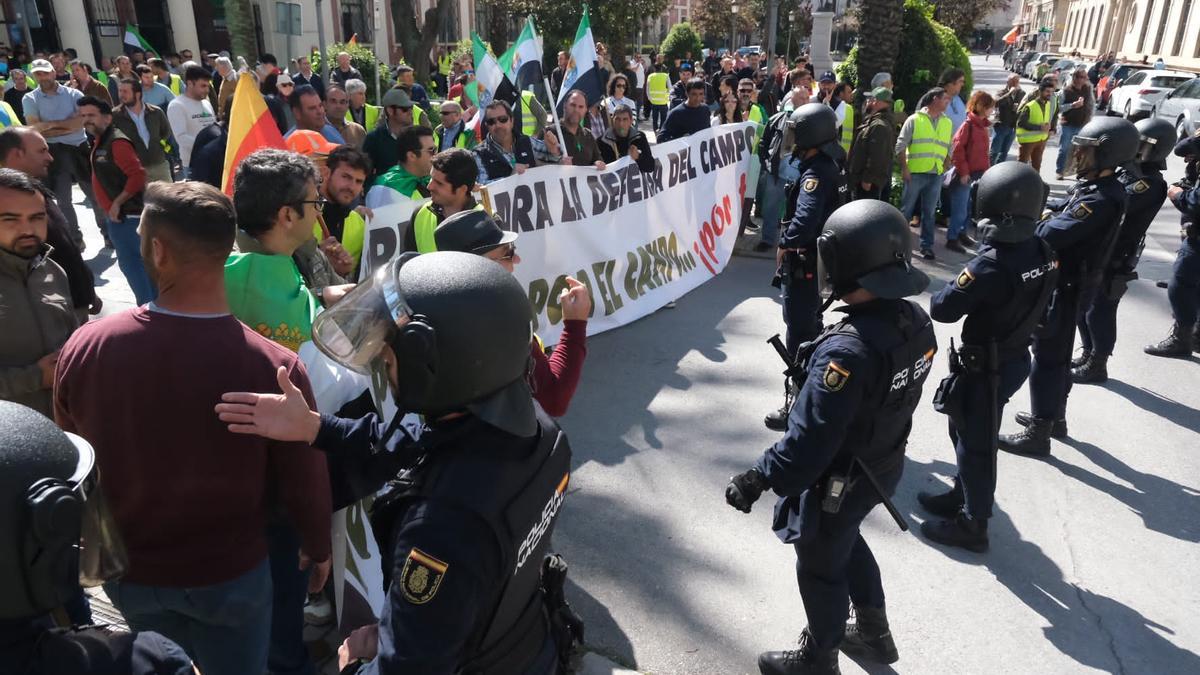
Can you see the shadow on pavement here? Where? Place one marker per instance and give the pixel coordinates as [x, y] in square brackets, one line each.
[1166, 408]
[602, 634]
[1164, 505]
[99, 263]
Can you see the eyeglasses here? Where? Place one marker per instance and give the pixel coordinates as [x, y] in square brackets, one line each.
[318, 203]
[618, 86]
[489, 121]
[745, 91]
[510, 252]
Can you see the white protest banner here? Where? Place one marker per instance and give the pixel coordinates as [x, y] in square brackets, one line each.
[636, 240]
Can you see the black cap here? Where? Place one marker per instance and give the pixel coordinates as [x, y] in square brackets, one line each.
[471, 231]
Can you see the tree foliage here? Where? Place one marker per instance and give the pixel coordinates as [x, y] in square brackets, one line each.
[878, 19]
[240, 20]
[714, 19]
[418, 42]
[681, 41]
[962, 17]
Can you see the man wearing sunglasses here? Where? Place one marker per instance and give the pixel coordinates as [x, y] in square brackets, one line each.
[380, 143]
[504, 152]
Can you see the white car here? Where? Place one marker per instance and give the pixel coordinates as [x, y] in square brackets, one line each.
[1181, 107]
[1138, 94]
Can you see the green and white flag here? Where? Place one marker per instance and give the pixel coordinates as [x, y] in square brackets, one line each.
[493, 83]
[523, 60]
[134, 40]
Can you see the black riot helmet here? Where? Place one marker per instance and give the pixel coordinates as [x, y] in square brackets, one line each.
[815, 125]
[459, 327]
[1157, 140]
[1105, 143]
[866, 244]
[1009, 199]
[45, 478]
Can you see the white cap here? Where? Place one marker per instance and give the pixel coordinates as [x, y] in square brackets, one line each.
[41, 66]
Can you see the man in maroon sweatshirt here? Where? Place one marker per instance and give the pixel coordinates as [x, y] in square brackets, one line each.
[190, 499]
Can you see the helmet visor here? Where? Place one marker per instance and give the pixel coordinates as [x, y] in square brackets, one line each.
[102, 554]
[1083, 157]
[1146, 148]
[354, 331]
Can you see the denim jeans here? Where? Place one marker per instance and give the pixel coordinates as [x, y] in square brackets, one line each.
[658, 115]
[774, 196]
[128, 244]
[224, 627]
[926, 187]
[960, 198]
[1064, 147]
[1002, 140]
[288, 654]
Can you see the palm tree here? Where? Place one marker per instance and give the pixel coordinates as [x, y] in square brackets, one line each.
[881, 25]
[240, 20]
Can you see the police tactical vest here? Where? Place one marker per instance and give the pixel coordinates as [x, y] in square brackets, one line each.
[1089, 257]
[1012, 323]
[1146, 195]
[929, 147]
[497, 165]
[516, 485]
[899, 334]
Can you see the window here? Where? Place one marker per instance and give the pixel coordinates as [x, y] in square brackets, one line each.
[1146, 25]
[1136, 78]
[1162, 28]
[1180, 30]
[1091, 17]
[1099, 28]
[356, 20]
[1168, 82]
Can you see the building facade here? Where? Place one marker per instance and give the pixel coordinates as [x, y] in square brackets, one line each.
[1136, 30]
[1042, 24]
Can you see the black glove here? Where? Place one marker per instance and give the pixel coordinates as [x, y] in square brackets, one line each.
[744, 489]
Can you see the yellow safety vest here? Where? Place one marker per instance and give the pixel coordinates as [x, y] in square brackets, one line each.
[354, 230]
[759, 117]
[1039, 114]
[528, 122]
[445, 64]
[13, 120]
[371, 117]
[929, 147]
[658, 88]
[848, 127]
[176, 85]
[462, 141]
[419, 115]
[424, 224]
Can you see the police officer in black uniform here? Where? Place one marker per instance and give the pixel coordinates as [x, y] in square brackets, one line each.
[818, 191]
[862, 379]
[47, 487]
[1003, 293]
[1082, 234]
[1183, 290]
[1147, 190]
[465, 528]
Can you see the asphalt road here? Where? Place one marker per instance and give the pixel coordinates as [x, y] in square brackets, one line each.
[1093, 554]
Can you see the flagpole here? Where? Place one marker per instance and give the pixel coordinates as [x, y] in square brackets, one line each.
[562, 141]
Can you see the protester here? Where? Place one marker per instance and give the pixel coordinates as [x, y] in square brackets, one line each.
[618, 94]
[1076, 106]
[81, 79]
[503, 152]
[51, 110]
[227, 78]
[118, 179]
[801, 91]
[337, 103]
[304, 75]
[623, 139]
[825, 87]
[147, 127]
[276, 88]
[191, 112]
[37, 308]
[452, 178]
[208, 153]
[344, 70]
[658, 94]
[340, 222]
[409, 178]
[679, 94]
[578, 143]
[453, 131]
[164, 76]
[380, 143]
[688, 117]
[203, 551]
[714, 80]
[1004, 131]
[14, 96]
[1035, 120]
[953, 80]
[970, 159]
[361, 112]
[869, 166]
[559, 72]
[154, 92]
[923, 148]
[406, 77]
[309, 113]
[728, 110]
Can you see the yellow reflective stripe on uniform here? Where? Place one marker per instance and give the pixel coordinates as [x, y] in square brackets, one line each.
[1039, 113]
[929, 147]
[848, 127]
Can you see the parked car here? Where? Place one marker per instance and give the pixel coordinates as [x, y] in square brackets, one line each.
[1063, 68]
[1032, 66]
[749, 49]
[1117, 74]
[1181, 107]
[1023, 58]
[1136, 96]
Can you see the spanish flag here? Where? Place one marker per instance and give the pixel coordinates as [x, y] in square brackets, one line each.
[353, 39]
[251, 128]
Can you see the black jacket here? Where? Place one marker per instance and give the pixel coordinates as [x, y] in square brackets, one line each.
[613, 147]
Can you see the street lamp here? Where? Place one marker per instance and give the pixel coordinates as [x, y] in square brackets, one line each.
[733, 28]
[791, 25]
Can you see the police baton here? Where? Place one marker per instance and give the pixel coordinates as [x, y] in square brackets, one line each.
[887, 502]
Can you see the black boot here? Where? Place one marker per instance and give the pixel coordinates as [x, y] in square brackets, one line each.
[1093, 371]
[945, 504]
[869, 636]
[1033, 441]
[1059, 430]
[1177, 345]
[809, 659]
[1081, 359]
[961, 531]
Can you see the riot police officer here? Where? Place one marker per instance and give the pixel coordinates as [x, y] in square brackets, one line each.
[1082, 234]
[465, 528]
[819, 190]
[1184, 288]
[843, 452]
[1147, 190]
[48, 489]
[1003, 293]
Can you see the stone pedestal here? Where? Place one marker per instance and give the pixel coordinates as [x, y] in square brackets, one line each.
[822, 34]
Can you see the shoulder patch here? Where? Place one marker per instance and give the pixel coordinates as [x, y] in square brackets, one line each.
[810, 184]
[835, 376]
[1081, 211]
[964, 278]
[421, 577]
[1141, 186]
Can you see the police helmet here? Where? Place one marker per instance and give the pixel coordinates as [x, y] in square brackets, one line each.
[814, 125]
[866, 244]
[1008, 202]
[1105, 143]
[45, 477]
[1157, 141]
[459, 327]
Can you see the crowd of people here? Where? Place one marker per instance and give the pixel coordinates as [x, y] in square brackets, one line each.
[229, 564]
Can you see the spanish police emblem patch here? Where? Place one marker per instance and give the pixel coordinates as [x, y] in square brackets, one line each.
[835, 376]
[421, 576]
[811, 184]
[964, 278]
[1082, 211]
[1141, 186]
